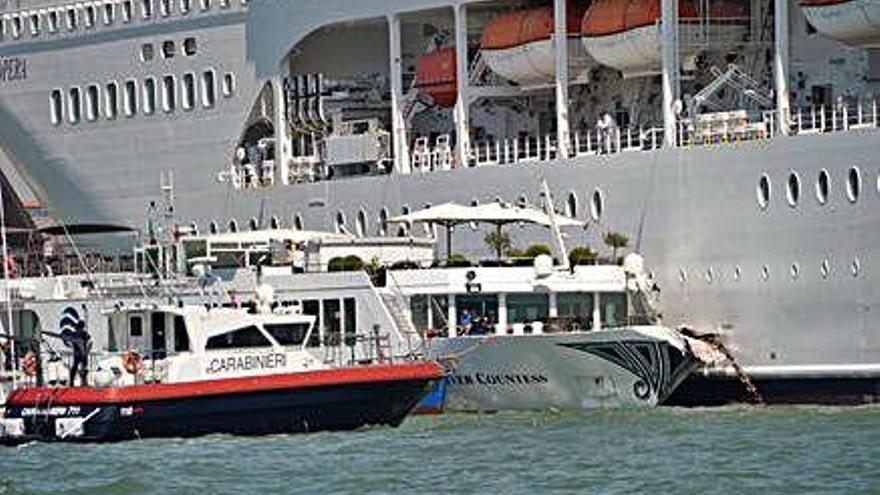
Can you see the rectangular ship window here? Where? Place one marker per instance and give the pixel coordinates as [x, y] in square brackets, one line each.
[90, 16]
[127, 9]
[92, 103]
[149, 96]
[168, 97]
[130, 98]
[147, 8]
[108, 13]
[71, 19]
[111, 98]
[35, 24]
[73, 105]
[53, 21]
[55, 107]
[189, 91]
[209, 90]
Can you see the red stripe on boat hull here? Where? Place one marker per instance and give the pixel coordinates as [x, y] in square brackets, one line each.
[160, 391]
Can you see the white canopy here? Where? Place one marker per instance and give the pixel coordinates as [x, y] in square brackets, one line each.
[493, 213]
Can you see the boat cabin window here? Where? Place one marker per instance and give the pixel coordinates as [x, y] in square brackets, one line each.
[135, 326]
[577, 307]
[243, 337]
[479, 306]
[288, 333]
[526, 308]
[181, 338]
[613, 309]
[312, 307]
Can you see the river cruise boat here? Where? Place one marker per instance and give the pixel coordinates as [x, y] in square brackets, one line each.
[539, 338]
[186, 370]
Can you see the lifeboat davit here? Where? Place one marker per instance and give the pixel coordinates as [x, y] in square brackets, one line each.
[854, 22]
[518, 45]
[625, 34]
[436, 75]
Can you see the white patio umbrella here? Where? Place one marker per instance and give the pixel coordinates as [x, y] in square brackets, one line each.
[495, 213]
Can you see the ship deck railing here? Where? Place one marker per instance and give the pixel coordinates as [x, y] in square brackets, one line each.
[707, 129]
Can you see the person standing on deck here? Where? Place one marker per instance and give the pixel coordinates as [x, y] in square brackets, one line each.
[82, 345]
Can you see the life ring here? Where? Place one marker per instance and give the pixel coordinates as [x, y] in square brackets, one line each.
[29, 363]
[132, 362]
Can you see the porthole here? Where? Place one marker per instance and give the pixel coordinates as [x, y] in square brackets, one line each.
[737, 273]
[764, 191]
[189, 47]
[855, 267]
[682, 275]
[825, 268]
[597, 205]
[795, 271]
[823, 184]
[233, 226]
[340, 223]
[212, 227]
[382, 227]
[168, 49]
[793, 191]
[523, 201]
[147, 52]
[274, 222]
[228, 84]
[765, 273]
[403, 229]
[571, 206]
[853, 184]
[252, 223]
[475, 202]
[361, 224]
[298, 222]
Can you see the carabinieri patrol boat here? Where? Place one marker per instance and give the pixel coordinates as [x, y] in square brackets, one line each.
[216, 370]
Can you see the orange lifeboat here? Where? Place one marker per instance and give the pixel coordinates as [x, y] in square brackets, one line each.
[436, 75]
[854, 22]
[625, 34]
[518, 45]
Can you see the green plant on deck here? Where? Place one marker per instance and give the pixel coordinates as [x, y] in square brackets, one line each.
[349, 263]
[582, 255]
[535, 250]
[615, 240]
[499, 242]
[457, 259]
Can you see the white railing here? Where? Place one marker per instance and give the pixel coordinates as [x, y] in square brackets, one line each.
[718, 128]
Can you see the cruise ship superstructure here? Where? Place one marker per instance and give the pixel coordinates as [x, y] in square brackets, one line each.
[730, 140]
